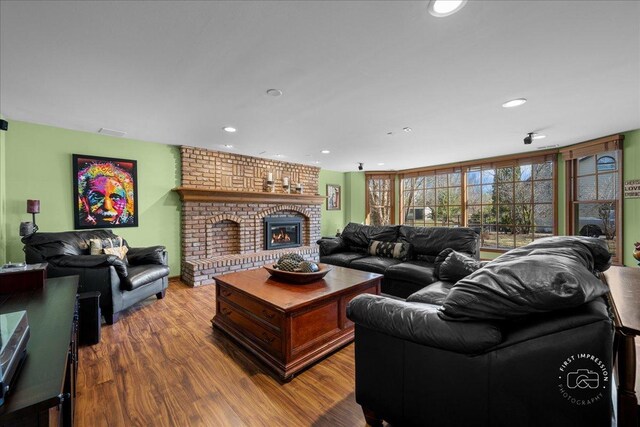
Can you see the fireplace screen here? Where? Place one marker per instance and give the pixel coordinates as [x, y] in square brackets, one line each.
[282, 232]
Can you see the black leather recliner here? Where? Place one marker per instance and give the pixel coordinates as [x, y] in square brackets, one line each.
[511, 344]
[121, 283]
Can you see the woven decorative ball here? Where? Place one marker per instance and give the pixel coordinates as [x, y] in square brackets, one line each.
[292, 256]
[287, 264]
[308, 267]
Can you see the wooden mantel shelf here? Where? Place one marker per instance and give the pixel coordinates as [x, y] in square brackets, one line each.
[191, 194]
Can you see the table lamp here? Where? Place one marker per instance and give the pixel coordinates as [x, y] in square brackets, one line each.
[28, 228]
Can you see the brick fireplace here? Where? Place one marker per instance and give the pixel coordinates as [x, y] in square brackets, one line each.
[225, 206]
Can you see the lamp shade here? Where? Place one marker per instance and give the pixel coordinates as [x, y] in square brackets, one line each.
[33, 206]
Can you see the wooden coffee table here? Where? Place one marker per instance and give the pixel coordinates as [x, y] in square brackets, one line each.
[289, 326]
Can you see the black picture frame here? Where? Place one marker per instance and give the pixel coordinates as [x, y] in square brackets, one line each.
[96, 177]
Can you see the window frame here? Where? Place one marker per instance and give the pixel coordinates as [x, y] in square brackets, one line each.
[392, 194]
[490, 163]
[570, 156]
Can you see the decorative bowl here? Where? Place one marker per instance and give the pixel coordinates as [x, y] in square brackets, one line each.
[297, 277]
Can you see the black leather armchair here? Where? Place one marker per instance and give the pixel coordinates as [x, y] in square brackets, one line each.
[121, 283]
[469, 354]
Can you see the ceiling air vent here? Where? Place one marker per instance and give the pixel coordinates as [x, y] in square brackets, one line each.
[111, 132]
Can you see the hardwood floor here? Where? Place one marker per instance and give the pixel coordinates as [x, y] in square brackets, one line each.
[162, 364]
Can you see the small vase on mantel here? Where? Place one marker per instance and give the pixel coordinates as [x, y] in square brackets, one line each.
[636, 252]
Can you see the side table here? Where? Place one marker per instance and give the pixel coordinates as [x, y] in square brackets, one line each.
[29, 277]
[624, 289]
[44, 390]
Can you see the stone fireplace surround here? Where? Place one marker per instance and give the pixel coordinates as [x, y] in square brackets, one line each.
[223, 215]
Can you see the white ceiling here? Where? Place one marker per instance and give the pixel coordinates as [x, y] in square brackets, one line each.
[177, 72]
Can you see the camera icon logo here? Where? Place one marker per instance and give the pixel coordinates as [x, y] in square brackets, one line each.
[583, 378]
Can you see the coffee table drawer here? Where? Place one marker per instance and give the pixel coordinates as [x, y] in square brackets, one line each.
[252, 329]
[264, 313]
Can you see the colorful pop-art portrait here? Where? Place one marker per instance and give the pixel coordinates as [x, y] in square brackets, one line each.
[105, 192]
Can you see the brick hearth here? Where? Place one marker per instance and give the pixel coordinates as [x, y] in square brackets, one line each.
[223, 213]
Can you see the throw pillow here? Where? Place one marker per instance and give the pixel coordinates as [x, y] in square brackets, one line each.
[440, 259]
[119, 251]
[457, 266]
[390, 250]
[113, 246]
[95, 246]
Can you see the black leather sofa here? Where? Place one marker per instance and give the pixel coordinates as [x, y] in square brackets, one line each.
[402, 277]
[121, 282]
[526, 340]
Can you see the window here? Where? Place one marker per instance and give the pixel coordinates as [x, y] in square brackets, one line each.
[380, 199]
[433, 200]
[510, 203]
[594, 178]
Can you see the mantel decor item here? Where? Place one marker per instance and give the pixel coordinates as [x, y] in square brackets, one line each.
[271, 185]
[299, 188]
[636, 252]
[105, 192]
[285, 185]
[333, 197]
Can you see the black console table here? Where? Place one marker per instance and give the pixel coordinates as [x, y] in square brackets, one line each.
[43, 393]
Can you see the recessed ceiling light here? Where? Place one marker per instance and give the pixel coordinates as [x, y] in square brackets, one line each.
[274, 92]
[442, 8]
[317, 162]
[228, 146]
[229, 129]
[380, 164]
[407, 129]
[278, 155]
[325, 151]
[539, 136]
[514, 103]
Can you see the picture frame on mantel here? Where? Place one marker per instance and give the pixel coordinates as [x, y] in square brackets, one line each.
[334, 195]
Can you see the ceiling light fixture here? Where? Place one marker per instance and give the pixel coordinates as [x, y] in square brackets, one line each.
[274, 92]
[407, 129]
[325, 151]
[229, 129]
[380, 164]
[442, 8]
[514, 103]
[360, 166]
[529, 138]
[539, 136]
[228, 146]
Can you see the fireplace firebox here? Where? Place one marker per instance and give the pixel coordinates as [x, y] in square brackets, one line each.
[282, 232]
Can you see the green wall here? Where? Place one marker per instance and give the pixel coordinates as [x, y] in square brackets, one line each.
[332, 220]
[631, 211]
[38, 166]
[355, 196]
